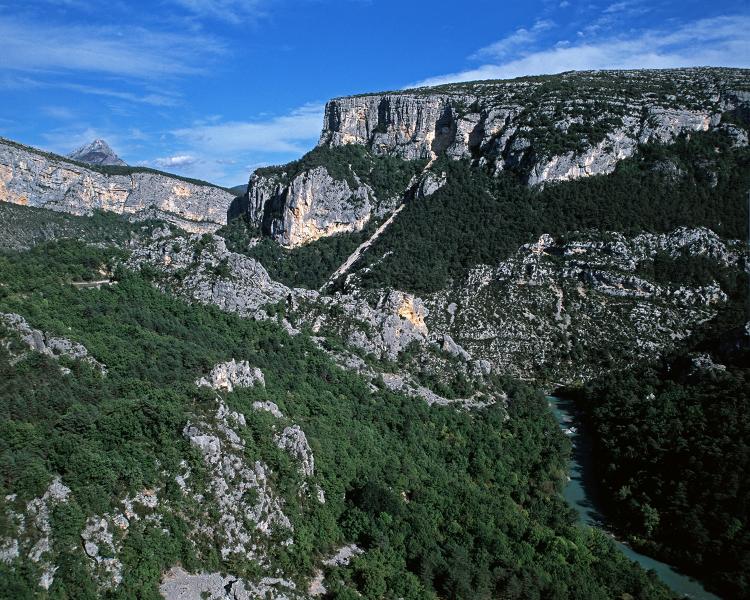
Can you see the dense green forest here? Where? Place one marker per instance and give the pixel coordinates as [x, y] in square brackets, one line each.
[446, 503]
[476, 218]
[672, 447]
[25, 226]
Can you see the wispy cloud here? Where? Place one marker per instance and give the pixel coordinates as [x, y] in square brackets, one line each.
[178, 160]
[220, 149]
[292, 132]
[61, 113]
[231, 11]
[134, 52]
[520, 39]
[720, 41]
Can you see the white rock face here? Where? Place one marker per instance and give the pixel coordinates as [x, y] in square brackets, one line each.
[178, 584]
[241, 492]
[230, 375]
[268, 407]
[100, 547]
[383, 328]
[310, 206]
[496, 122]
[32, 178]
[294, 441]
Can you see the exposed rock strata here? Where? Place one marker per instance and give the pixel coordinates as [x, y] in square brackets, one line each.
[33, 178]
[310, 206]
[498, 123]
[203, 269]
[178, 584]
[229, 375]
[557, 307]
[248, 508]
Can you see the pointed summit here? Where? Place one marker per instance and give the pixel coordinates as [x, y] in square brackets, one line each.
[97, 152]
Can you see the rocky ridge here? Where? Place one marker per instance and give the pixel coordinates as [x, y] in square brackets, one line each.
[553, 128]
[543, 129]
[32, 178]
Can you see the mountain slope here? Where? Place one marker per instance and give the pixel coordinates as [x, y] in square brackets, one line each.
[33, 178]
[253, 427]
[539, 129]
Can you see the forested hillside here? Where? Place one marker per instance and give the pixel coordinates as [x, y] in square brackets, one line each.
[339, 393]
[443, 502]
[672, 448]
[479, 219]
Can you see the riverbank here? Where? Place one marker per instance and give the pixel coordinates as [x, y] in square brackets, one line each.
[583, 494]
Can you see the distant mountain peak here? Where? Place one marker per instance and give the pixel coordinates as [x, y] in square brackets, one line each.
[97, 152]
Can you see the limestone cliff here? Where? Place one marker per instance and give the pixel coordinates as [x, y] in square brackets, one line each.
[543, 129]
[551, 128]
[32, 178]
[307, 206]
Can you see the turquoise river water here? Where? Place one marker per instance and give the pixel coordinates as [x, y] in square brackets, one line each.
[580, 492]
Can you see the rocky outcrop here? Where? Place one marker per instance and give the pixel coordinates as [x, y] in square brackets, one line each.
[383, 326]
[97, 152]
[101, 548]
[178, 584]
[230, 375]
[509, 124]
[294, 441]
[45, 343]
[32, 536]
[310, 205]
[240, 492]
[33, 178]
[201, 268]
[556, 307]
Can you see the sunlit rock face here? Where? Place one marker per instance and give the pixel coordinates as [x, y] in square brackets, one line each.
[310, 206]
[33, 178]
[598, 119]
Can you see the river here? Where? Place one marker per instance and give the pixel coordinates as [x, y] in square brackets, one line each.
[581, 494]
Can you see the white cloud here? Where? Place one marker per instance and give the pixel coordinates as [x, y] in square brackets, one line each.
[178, 160]
[222, 149]
[134, 52]
[520, 39]
[720, 41]
[293, 132]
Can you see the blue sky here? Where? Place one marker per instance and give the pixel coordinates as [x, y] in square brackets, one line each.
[214, 88]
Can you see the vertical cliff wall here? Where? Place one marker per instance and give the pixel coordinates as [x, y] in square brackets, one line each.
[33, 178]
